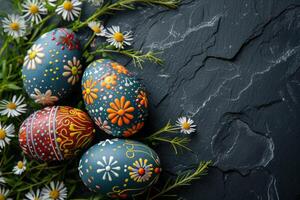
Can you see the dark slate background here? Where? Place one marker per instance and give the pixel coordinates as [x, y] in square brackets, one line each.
[233, 66]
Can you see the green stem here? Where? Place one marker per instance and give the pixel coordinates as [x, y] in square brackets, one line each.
[89, 42]
[173, 143]
[137, 56]
[107, 51]
[40, 25]
[124, 4]
[185, 181]
[171, 130]
[91, 18]
[4, 46]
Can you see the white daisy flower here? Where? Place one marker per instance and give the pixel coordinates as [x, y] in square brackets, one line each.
[4, 193]
[186, 125]
[6, 133]
[56, 191]
[20, 167]
[50, 2]
[69, 9]
[44, 98]
[34, 56]
[14, 107]
[33, 195]
[118, 39]
[2, 180]
[98, 28]
[33, 10]
[96, 2]
[14, 25]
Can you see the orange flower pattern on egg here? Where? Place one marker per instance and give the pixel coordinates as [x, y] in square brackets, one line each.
[133, 130]
[114, 98]
[90, 92]
[109, 81]
[119, 111]
[119, 68]
[143, 99]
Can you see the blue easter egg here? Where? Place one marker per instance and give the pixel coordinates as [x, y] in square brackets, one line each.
[52, 66]
[114, 98]
[119, 168]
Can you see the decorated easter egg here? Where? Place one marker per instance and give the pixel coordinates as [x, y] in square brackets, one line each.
[114, 98]
[119, 168]
[56, 133]
[52, 66]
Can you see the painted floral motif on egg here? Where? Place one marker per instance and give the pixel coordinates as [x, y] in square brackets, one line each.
[114, 98]
[119, 168]
[52, 66]
[56, 133]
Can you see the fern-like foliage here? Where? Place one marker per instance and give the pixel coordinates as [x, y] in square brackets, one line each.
[181, 180]
[166, 135]
[111, 8]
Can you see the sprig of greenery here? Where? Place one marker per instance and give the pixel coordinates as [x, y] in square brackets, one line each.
[123, 5]
[176, 142]
[138, 57]
[168, 128]
[162, 135]
[181, 180]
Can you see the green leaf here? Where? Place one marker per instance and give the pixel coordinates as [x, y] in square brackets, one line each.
[4, 69]
[13, 86]
[90, 58]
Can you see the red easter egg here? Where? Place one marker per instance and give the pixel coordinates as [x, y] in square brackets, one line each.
[56, 133]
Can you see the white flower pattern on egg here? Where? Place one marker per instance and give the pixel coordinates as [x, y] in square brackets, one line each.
[34, 56]
[108, 168]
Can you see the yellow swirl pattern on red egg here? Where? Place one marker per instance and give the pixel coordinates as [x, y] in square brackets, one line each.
[74, 130]
[56, 133]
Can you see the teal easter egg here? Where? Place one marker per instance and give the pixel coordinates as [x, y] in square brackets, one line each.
[119, 168]
[114, 98]
[52, 66]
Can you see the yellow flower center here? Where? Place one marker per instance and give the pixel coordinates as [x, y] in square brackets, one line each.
[68, 5]
[74, 70]
[32, 55]
[88, 90]
[33, 9]
[11, 106]
[2, 197]
[14, 26]
[2, 135]
[108, 80]
[119, 37]
[121, 112]
[20, 165]
[54, 194]
[186, 125]
[35, 198]
[96, 29]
